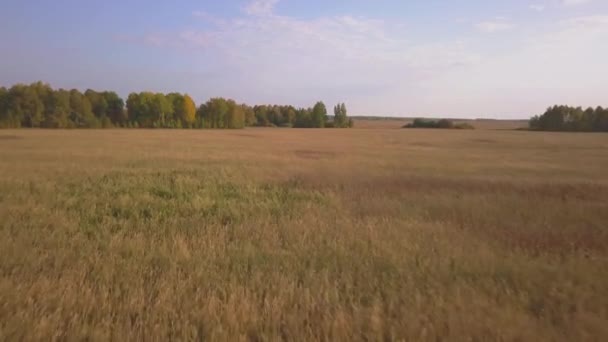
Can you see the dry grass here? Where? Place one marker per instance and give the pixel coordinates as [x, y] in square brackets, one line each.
[269, 234]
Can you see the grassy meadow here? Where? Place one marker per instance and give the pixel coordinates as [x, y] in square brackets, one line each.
[303, 235]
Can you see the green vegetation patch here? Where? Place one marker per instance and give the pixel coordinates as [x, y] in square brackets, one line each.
[196, 197]
[442, 124]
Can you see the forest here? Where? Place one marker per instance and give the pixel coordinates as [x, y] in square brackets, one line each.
[571, 119]
[39, 105]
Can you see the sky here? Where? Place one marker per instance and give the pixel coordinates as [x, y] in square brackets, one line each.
[435, 58]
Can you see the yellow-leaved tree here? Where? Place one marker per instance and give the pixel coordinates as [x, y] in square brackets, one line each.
[189, 111]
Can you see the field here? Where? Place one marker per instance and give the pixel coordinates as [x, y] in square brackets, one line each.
[278, 234]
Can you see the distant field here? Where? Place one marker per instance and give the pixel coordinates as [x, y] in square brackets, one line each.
[277, 234]
[389, 123]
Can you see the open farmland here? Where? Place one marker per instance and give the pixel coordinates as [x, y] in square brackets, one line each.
[272, 234]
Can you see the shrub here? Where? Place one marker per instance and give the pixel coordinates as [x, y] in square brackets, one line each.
[464, 125]
[441, 124]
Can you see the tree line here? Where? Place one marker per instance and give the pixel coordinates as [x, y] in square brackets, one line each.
[438, 124]
[571, 119]
[39, 105]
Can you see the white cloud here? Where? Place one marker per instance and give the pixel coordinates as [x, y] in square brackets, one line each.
[208, 18]
[575, 2]
[537, 7]
[380, 68]
[277, 58]
[563, 65]
[592, 21]
[493, 26]
[260, 7]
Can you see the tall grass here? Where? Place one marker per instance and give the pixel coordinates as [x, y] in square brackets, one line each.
[303, 235]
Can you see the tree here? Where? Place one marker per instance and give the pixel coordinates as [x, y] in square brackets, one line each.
[290, 115]
[565, 118]
[134, 107]
[149, 109]
[553, 119]
[214, 113]
[81, 112]
[261, 115]
[177, 104]
[58, 110]
[145, 117]
[319, 115]
[4, 118]
[161, 110]
[184, 108]
[116, 108]
[25, 107]
[99, 104]
[340, 116]
[303, 118]
[39, 105]
[250, 119]
[275, 116]
[14, 112]
[588, 120]
[601, 120]
[235, 116]
[201, 120]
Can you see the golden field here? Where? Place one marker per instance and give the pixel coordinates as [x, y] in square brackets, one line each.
[287, 234]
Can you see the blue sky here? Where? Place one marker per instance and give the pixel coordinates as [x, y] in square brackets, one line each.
[467, 58]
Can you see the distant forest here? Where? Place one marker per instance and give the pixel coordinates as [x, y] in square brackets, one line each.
[571, 119]
[39, 105]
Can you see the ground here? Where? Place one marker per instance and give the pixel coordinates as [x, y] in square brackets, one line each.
[266, 234]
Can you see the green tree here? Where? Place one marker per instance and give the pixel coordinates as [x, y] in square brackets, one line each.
[99, 104]
[250, 119]
[235, 116]
[290, 115]
[81, 112]
[601, 120]
[201, 116]
[261, 115]
[214, 112]
[25, 107]
[184, 108]
[275, 116]
[133, 107]
[303, 118]
[553, 119]
[148, 109]
[116, 108]
[341, 117]
[14, 106]
[587, 120]
[39, 105]
[4, 118]
[177, 104]
[565, 118]
[58, 110]
[161, 110]
[319, 115]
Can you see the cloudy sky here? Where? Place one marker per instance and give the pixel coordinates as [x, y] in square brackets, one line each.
[456, 58]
